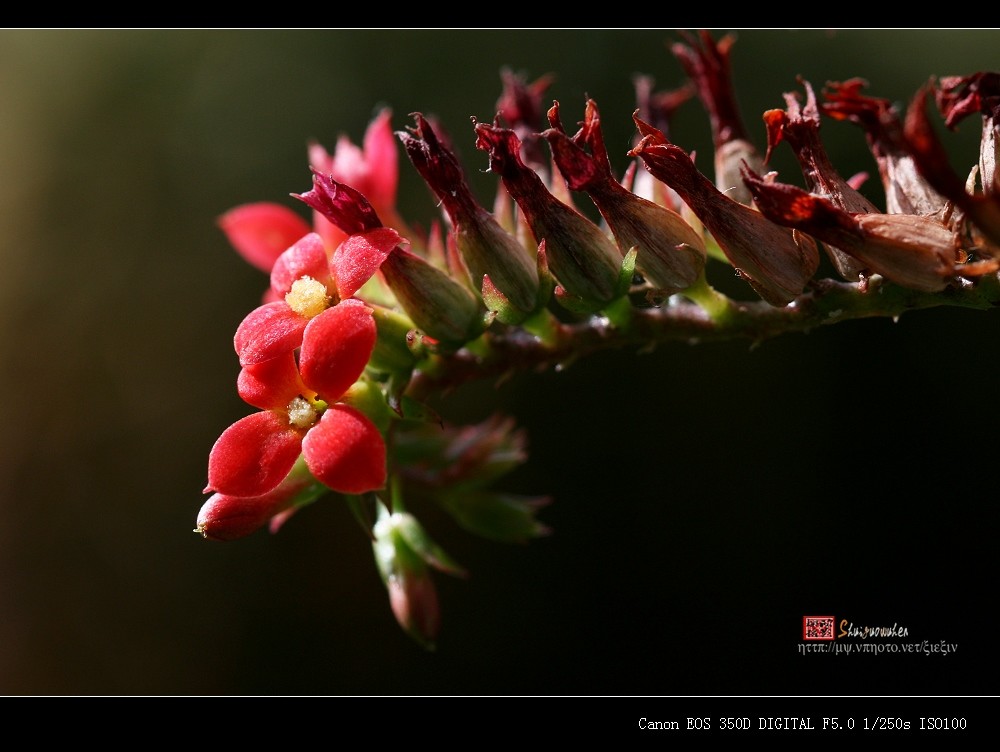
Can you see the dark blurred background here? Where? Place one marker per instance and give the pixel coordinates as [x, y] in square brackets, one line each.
[706, 497]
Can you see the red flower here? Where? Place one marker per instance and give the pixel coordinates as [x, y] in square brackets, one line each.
[307, 284]
[300, 414]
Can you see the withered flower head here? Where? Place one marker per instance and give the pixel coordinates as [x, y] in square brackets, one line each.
[915, 252]
[344, 206]
[777, 262]
[580, 255]
[957, 97]
[522, 108]
[486, 248]
[799, 127]
[671, 254]
[930, 157]
[658, 108]
[706, 63]
[906, 190]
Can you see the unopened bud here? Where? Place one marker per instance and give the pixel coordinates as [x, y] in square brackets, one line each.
[438, 305]
[404, 554]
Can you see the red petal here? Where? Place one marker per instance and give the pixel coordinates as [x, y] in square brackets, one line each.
[260, 232]
[306, 258]
[267, 332]
[346, 451]
[253, 455]
[272, 384]
[336, 347]
[360, 256]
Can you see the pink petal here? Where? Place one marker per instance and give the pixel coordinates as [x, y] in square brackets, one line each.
[346, 451]
[336, 347]
[253, 455]
[359, 257]
[383, 161]
[306, 258]
[260, 232]
[267, 332]
[271, 384]
[319, 157]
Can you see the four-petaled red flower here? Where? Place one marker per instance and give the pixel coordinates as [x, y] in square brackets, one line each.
[306, 283]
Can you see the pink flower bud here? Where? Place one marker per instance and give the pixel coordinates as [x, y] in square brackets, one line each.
[225, 518]
[404, 553]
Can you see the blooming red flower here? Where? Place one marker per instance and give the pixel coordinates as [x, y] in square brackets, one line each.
[307, 283]
[300, 414]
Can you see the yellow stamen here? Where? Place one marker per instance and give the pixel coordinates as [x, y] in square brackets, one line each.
[301, 413]
[307, 297]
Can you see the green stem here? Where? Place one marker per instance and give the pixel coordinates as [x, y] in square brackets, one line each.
[713, 318]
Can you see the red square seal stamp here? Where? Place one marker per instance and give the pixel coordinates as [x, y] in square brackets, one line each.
[817, 627]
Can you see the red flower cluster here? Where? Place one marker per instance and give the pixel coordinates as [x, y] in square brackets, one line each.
[303, 350]
[353, 323]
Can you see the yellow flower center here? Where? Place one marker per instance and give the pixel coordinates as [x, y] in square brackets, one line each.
[301, 413]
[307, 297]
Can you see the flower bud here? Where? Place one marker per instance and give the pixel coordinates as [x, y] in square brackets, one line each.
[438, 305]
[224, 517]
[403, 554]
[580, 255]
[775, 261]
[486, 248]
[670, 254]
